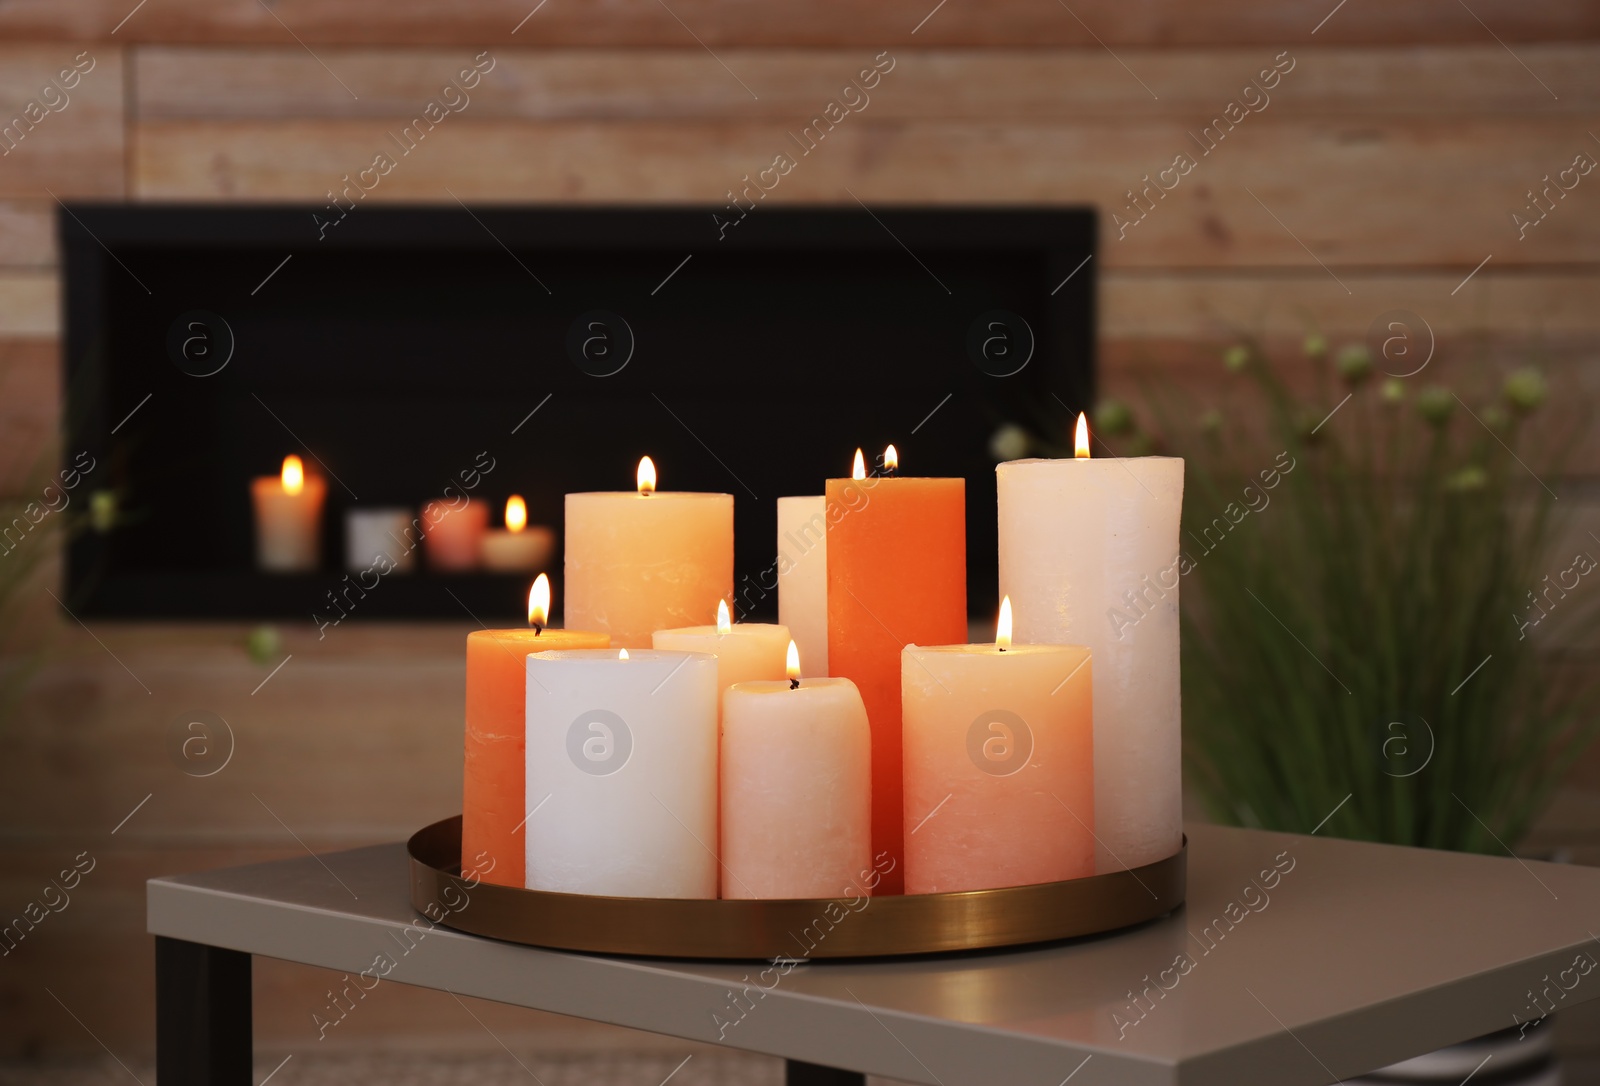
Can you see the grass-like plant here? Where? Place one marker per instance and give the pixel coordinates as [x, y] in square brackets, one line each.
[1370, 596]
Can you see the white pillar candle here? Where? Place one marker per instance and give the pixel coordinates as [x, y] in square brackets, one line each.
[622, 773]
[637, 562]
[369, 533]
[999, 764]
[1088, 553]
[803, 578]
[288, 509]
[796, 789]
[745, 652]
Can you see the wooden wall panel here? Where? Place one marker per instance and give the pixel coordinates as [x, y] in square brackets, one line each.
[718, 23]
[67, 141]
[793, 84]
[1368, 192]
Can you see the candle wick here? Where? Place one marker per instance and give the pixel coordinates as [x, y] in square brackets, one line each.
[794, 684]
[1002, 648]
[538, 628]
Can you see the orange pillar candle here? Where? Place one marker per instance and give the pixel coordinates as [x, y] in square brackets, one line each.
[493, 788]
[897, 575]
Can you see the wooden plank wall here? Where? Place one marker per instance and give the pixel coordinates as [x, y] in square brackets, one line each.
[1380, 168]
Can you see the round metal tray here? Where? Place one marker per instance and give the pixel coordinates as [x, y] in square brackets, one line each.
[794, 928]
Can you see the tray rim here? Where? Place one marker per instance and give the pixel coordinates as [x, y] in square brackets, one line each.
[763, 930]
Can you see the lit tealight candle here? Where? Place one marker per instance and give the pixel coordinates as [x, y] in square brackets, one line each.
[646, 560]
[288, 510]
[796, 788]
[999, 764]
[517, 546]
[745, 651]
[492, 791]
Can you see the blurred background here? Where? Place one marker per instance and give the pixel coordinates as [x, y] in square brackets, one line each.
[1342, 164]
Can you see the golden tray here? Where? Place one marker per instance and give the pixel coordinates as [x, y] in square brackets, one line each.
[792, 928]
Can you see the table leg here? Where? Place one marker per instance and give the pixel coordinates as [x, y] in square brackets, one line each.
[202, 1015]
[796, 1073]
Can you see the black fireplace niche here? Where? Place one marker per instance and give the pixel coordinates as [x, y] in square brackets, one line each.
[397, 347]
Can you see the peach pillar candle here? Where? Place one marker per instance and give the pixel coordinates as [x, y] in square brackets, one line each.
[745, 652]
[492, 788]
[803, 577]
[897, 574]
[1089, 554]
[517, 547]
[622, 773]
[288, 510]
[796, 787]
[453, 535]
[643, 561]
[999, 764]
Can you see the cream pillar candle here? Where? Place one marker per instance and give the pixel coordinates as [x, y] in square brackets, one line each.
[796, 788]
[1088, 553]
[745, 652]
[803, 578]
[643, 561]
[518, 546]
[288, 511]
[999, 764]
[622, 773]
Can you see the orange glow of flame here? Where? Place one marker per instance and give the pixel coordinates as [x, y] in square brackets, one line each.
[891, 459]
[647, 476]
[622, 654]
[539, 602]
[858, 469]
[724, 622]
[1081, 439]
[294, 475]
[792, 662]
[516, 513]
[1002, 628]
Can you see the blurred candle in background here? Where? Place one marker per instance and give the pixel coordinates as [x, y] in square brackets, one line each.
[796, 788]
[640, 561]
[999, 764]
[803, 578]
[492, 788]
[897, 575]
[288, 510]
[622, 773]
[453, 534]
[369, 533]
[517, 547]
[1089, 554]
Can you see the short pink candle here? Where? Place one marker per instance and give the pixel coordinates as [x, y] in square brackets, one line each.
[999, 764]
[796, 790]
[454, 534]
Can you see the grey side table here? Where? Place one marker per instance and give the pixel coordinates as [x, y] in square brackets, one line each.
[1298, 960]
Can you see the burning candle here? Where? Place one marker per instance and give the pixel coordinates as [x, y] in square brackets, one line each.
[897, 574]
[492, 791]
[745, 652]
[288, 510]
[999, 764]
[1089, 550]
[517, 547]
[622, 773]
[796, 787]
[803, 577]
[645, 560]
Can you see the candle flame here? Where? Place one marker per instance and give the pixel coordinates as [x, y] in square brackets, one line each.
[1002, 628]
[647, 476]
[539, 602]
[724, 623]
[516, 513]
[891, 459]
[622, 654]
[294, 475]
[858, 469]
[1081, 439]
[792, 662]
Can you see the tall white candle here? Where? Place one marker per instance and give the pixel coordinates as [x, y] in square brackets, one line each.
[803, 578]
[1088, 553]
[622, 773]
[288, 511]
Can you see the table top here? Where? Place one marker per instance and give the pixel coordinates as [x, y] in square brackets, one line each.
[1296, 960]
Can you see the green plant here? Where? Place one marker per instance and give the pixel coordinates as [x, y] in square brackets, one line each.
[1361, 637]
